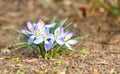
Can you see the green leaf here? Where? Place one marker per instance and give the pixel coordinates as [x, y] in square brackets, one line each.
[21, 33]
[20, 72]
[84, 52]
[59, 62]
[53, 19]
[112, 71]
[23, 43]
[17, 59]
[53, 70]
[115, 10]
[60, 24]
[19, 47]
[34, 20]
[34, 47]
[79, 37]
[67, 26]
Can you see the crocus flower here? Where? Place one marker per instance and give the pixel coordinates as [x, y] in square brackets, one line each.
[35, 30]
[45, 37]
[64, 38]
[68, 41]
[58, 35]
[32, 28]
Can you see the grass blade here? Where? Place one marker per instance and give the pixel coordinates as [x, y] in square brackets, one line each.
[21, 33]
[53, 19]
[79, 37]
[60, 24]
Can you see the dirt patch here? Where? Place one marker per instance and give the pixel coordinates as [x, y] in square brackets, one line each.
[103, 41]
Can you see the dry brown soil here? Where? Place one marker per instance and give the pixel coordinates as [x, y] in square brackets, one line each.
[103, 42]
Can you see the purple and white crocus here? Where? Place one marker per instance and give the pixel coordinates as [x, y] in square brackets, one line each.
[64, 38]
[36, 29]
[45, 37]
[68, 41]
[39, 32]
[59, 35]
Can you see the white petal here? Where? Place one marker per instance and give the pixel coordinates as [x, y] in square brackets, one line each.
[46, 42]
[31, 39]
[68, 46]
[68, 36]
[40, 24]
[72, 42]
[38, 41]
[57, 32]
[50, 25]
[60, 41]
[30, 27]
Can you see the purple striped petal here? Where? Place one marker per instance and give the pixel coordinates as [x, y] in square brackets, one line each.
[59, 32]
[30, 27]
[68, 36]
[35, 28]
[26, 32]
[72, 42]
[47, 30]
[47, 45]
[60, 41]
[31, 39]
[66, 33]
[40, 23]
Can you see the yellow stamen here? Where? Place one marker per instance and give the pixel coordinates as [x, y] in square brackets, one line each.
[66, 39]
[57, 33]
[38, 32]
[32, 30]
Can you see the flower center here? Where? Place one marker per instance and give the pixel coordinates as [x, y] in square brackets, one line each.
[57, 33]
[45, 36]
[66, 39]
[38, 32]
[32, 30]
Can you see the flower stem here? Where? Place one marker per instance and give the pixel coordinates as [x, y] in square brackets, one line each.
[41, 49]
[58, 48]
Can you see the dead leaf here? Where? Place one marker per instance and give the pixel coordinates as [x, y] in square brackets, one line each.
[19, 65]
[31, 60]
[1, 58]
[113, 41]
[62, 72]
[114, 52]
[67, 2]
[95, 72]
[117, 21]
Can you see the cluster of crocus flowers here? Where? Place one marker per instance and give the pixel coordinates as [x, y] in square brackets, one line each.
[40, 33]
